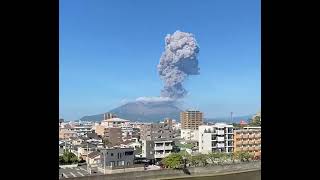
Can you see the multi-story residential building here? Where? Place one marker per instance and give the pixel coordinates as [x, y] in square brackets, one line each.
[82, 129]
[157, 149]
[114, 157]
[66, 134]
[156, 131]
[248, 139]
[190, 134]
[216, 138]
[112, 134]
[114, 122]
[191, 119]
[119, 123]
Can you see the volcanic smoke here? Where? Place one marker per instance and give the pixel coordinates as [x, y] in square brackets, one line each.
[177, 62]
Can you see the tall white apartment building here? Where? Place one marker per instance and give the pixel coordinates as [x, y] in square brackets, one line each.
[216, 138]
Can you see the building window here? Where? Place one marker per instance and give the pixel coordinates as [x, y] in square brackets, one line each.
[111, 154]
[127, 153]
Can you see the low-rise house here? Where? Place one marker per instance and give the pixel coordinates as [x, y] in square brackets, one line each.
[157, 149]
[94, 158]
[117, 157]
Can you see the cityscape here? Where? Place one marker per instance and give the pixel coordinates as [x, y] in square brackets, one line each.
[116, 145]
[159, 91]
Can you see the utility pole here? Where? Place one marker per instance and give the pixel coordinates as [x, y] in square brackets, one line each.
[88, 157]
[104, 162]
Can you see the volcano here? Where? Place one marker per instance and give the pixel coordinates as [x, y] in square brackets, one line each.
[143, 111]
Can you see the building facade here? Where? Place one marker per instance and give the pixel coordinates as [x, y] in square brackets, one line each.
[124, 124]
[248, 139]
[157, 149]
[216, 138]
[191, 119]
[66, 134]
[115, 157]
[112, 134]
[156, 131]
[190, 134]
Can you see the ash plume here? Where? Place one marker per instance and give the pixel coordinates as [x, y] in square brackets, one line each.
[177, 62]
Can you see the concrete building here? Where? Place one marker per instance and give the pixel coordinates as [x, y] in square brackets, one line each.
[108, 116]
[82, 129]
[191, 119]
[157, 149]
[156, 131]
[66, 134]
[190, 134]
[248, 139]
[216, 138]
[124, 124]
[112, 134]
[94, 158]
[115, 157]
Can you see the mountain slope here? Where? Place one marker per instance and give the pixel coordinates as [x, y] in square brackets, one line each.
[142, 111]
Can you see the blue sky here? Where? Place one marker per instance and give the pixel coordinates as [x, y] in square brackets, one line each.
[109, 50]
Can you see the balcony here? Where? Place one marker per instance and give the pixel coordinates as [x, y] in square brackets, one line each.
[168, 147]
[220, 145]
[245, 142]
[239, 143]
[257, 141]
[220, 132]
[245, 148]
[245, 136]
[251, 136]
[251, 142]
[251, 148]
[257, 148]
[159, 147]
[257, 153]
[220, 139]
[257, 135]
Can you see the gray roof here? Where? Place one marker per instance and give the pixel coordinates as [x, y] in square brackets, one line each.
[94, 154]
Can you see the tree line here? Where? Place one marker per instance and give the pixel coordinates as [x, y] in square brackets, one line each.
[178, 160]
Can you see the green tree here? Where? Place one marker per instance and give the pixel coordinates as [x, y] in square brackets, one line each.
[174, 160]
[68, 158]
[213, 157]
[202, 159]
[243, 156]
[193, 161]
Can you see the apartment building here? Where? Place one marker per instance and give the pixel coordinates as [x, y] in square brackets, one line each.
[156, 131]
[157, 149]
[248, 139]
[191, 119]
[216, 138]
[124, 124]
[66, 134]
[112, 134]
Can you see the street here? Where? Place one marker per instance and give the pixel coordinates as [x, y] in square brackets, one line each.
[75, 172]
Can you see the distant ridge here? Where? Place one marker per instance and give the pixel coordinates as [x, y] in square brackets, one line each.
[142, 111]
